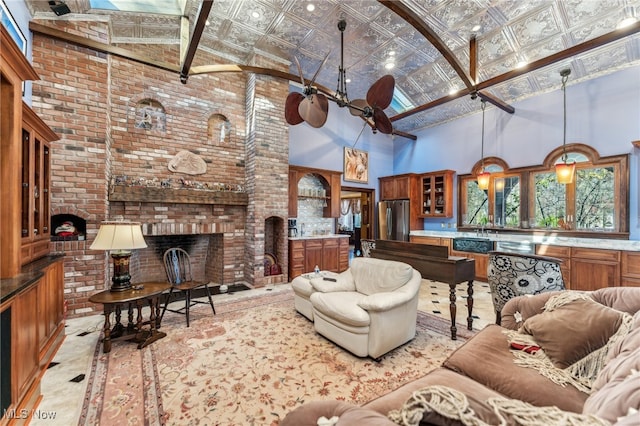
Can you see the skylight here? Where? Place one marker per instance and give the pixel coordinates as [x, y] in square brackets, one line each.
[400, 103]
[163, 7]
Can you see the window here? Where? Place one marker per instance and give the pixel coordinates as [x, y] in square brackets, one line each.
[531, 197]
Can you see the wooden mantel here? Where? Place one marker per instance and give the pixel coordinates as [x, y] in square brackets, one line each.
[142, 194]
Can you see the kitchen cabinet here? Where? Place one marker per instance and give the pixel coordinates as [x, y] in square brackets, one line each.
[296, 258]
[592, 269]
[35, 185]
[403, 187]
[434, 241]
[436, 194]
[398, 187]
[329, 253]
[481, 262]
[560, 252]
[630, 268]
[331, 181]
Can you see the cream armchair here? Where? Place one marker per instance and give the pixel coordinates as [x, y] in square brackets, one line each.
[370, 309]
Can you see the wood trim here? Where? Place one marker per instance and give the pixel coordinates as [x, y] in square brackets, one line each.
[541, 63]
[201, 22]
[416, 22]
[179, 196]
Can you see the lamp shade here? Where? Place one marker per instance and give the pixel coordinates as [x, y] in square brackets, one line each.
[119, 236]
[565, 172]
[483, 179]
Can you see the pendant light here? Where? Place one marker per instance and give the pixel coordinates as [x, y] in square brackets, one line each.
[483, 176]
[564, 170]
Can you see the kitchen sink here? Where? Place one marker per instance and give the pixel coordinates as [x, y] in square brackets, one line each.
[473, 245]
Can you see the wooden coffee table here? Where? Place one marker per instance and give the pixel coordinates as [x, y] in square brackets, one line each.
[130, 300]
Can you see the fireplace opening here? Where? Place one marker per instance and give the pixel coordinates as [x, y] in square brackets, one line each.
[68, 227]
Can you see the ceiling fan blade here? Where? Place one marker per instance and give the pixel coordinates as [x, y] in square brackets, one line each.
[381, 121]
[380, 94]
[291, 105]
[319, 68]
[361, 103]
[314, 109]
[299, 70]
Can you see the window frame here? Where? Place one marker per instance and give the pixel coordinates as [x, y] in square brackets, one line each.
[620, 164]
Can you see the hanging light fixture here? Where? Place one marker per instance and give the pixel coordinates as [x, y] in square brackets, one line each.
[564, 170]
[483, 176]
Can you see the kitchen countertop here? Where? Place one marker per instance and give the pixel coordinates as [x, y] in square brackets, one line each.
[597, 243]
[315, 237]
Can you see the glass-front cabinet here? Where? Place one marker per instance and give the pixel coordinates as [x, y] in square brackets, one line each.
[35, 175]
[436, 194]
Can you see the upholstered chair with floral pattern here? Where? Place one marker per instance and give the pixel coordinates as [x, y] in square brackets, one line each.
[513, 274]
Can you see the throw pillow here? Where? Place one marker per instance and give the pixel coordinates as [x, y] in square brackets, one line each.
[571, 331]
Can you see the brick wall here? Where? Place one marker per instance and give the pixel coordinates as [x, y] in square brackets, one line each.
[89, 100]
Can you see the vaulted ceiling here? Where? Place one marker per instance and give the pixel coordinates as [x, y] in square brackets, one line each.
[436, 64]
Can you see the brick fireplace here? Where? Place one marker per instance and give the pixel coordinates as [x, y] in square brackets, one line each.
[92, 106]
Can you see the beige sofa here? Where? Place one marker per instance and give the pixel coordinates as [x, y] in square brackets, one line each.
[493, 378]
[369, 309]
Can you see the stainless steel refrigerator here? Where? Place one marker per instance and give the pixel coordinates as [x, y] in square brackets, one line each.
[393, 220]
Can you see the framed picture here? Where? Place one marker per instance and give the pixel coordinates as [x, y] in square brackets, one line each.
[356, 165]
[10, 24]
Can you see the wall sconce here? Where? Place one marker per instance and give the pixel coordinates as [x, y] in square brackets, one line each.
[119, 238]
[564, 170]
[484, 176]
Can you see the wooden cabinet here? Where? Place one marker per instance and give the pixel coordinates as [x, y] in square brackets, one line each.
[330, 254]
[436, 194]
[418, 239]
[24, 342]
[35, 186]
[592, 269]
[399, 187]
[403, 187]
[481, 262]
[14, 70]
[331, 181]
[313, 254]
[560, 252]
[35, 316]
[296, 258]
[630, 268]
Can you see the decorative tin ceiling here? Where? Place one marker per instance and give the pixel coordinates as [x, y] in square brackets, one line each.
[511, 31]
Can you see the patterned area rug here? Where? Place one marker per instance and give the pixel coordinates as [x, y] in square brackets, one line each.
[250, 364]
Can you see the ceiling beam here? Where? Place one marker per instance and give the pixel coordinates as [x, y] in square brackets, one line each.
[416, 22]
[206, 69]
[473, 71]
[201, 23]
[540, 63]
[100, 47]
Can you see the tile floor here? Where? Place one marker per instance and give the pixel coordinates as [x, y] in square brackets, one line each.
[63, 385]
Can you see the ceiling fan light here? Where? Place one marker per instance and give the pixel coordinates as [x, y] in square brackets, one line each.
[565, 172]
[483, 179]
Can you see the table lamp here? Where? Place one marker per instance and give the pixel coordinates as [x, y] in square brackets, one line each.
[119, 238]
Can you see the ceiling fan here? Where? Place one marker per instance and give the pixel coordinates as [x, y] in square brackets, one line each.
[312, 105]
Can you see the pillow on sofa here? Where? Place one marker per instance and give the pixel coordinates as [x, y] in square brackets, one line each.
[373, 275]
[569, 332]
